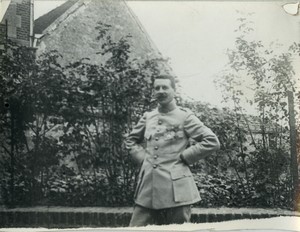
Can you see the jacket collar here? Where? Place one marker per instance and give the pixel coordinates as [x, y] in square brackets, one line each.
[166, 109]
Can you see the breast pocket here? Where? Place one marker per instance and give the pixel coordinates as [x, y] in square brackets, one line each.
[184, 187]
[173, 141]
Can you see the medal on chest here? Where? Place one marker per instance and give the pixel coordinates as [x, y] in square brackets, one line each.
[169, 135]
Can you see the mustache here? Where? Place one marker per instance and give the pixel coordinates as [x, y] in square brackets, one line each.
[159, 95]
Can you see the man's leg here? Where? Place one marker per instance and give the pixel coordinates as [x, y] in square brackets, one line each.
[142, 216]
[179, 215]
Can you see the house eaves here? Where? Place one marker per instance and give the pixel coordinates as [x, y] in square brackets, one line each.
[43, 22]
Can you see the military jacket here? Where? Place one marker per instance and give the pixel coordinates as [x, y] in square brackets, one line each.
[156, 143]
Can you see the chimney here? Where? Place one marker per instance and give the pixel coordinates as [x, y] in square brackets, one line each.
[19, 18]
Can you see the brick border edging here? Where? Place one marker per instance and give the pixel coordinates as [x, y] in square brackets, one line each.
[117, 217]
[63, 219]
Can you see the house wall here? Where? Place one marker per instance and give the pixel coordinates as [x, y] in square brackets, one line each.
[74, 35]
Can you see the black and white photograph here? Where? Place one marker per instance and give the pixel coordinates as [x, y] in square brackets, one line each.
[149, 115]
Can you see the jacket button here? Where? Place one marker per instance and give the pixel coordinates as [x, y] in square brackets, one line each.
[154, 166]
[155, 157]
[156, 138]
[159, 122]
[156, 148]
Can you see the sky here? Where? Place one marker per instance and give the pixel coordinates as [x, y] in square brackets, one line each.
[195, 35]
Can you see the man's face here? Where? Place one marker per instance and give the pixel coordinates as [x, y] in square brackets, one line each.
[163, 91]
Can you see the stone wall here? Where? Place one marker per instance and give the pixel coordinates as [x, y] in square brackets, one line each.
[3, 30]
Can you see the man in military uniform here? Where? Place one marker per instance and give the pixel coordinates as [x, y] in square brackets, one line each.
[165, 184]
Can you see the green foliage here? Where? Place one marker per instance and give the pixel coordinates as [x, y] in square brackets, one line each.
[240, 174]
[64, 126]
[31, 99]
[259, 155]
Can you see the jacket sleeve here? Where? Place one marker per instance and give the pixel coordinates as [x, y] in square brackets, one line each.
[134, 141]
[206, 141]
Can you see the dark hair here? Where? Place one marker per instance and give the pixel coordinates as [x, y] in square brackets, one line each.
[169, 77]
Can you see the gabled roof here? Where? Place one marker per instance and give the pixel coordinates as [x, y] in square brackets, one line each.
[46, 20]
[71, 30]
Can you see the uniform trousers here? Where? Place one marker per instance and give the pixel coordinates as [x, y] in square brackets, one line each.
[144, 216]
